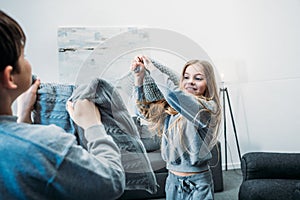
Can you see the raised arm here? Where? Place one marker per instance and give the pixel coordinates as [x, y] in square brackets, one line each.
[193, 109]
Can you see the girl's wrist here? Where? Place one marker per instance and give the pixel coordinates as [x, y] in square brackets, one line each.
[138, 82]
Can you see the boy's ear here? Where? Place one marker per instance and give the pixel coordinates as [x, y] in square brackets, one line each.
[8, 78]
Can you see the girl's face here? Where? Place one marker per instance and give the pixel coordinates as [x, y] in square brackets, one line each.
[194, 81]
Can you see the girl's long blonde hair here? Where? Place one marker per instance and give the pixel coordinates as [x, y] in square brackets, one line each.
[156, 112]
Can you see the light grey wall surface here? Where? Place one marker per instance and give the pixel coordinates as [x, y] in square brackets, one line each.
[254, 44]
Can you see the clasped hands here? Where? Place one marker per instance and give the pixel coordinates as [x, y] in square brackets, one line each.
[138, 66]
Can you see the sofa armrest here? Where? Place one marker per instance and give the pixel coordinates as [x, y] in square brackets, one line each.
[267, 165]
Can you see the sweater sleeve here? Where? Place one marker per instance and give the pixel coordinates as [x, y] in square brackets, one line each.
[183, 103]
[96, 173]
[103, 147]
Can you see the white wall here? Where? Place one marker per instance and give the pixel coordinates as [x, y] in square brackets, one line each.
[256, 45]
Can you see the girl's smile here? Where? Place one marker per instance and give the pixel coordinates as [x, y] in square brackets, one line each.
[194, 81]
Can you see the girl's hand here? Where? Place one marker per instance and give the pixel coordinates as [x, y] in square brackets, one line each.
[26, 101]
[138, 69]
[84, 113]
[147, 63]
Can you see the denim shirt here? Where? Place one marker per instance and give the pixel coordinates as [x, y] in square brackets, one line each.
[43, 162]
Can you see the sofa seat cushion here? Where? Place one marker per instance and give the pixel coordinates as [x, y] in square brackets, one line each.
[270, 189]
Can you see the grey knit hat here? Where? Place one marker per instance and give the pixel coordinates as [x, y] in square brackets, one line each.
[151, 91]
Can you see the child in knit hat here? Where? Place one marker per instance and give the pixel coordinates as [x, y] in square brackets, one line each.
[187, 119]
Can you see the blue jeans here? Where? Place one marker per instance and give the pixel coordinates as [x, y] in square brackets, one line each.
[194, 187]
[50, 107]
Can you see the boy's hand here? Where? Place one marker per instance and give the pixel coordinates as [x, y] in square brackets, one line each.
[26, 101]
[84, 113]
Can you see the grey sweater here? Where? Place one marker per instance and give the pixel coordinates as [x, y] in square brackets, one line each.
[50, 108]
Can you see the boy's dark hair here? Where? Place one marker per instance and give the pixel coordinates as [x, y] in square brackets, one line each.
[12, 41]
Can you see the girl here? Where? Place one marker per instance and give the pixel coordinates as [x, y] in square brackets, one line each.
[187, 119]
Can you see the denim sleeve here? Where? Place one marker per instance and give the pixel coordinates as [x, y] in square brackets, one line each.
[97, 173]
[139, 97]
[139, 93]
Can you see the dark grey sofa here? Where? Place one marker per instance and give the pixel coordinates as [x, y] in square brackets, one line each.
[270, 176]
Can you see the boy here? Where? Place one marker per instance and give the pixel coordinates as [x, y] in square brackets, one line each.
[44, 162]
